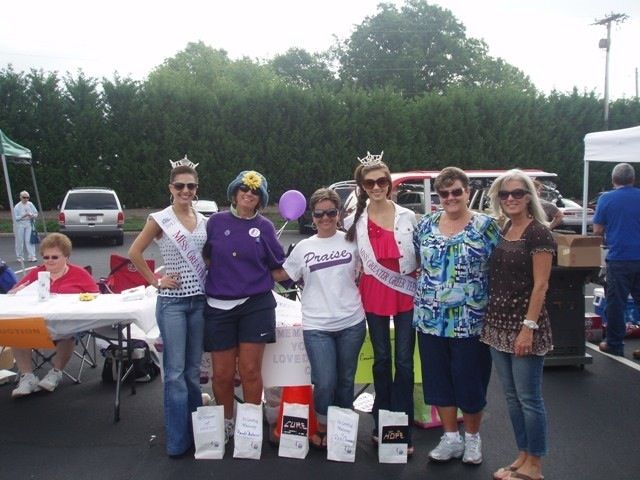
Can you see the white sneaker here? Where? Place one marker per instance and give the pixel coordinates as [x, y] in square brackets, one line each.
[51, 380]
[28, 384]
[472, 449]
[447, 449]
[229, 429]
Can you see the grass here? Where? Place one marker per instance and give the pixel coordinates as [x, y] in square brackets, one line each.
[135, 221]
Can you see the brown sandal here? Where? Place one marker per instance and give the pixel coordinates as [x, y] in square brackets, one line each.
[501, 473]
[522, 476]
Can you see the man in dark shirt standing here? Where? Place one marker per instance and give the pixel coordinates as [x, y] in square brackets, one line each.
[617, 218]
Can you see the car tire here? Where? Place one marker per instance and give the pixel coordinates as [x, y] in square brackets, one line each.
[120, 240]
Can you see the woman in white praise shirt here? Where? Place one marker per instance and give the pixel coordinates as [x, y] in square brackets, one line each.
[24, 214]
[332, 315]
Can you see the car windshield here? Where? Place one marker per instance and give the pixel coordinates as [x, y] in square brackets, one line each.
[91, 201]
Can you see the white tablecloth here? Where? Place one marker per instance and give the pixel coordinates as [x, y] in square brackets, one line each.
[65, 314]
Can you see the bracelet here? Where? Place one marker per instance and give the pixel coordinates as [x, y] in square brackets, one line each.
[530, 324]
[158, 282]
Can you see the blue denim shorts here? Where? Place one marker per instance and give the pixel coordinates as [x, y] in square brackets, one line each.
[254, 321]
[455, 372]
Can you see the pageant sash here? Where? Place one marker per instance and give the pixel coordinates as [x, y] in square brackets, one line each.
[395, 280]
[180, 237]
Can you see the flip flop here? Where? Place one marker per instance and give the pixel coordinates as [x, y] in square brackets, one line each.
[501, 473]
[522, 476]
[323, 441]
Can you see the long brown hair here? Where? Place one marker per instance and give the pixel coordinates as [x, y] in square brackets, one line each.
[363, 196]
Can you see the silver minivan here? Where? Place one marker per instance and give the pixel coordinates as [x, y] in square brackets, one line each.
[92, 212]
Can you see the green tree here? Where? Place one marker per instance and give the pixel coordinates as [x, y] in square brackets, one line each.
[303, 69]
[419, 48]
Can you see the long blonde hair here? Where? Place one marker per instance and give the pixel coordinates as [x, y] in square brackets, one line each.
[534, 207]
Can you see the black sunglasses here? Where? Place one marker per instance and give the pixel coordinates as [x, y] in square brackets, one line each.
[25, 197]
[518, 193]
[456, 192]
[331, 213]
[180, 185]
[50, 257]
[369, 183]
[245, 189]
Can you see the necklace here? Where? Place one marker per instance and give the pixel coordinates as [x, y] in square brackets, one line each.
[61, 274]
[449, 226]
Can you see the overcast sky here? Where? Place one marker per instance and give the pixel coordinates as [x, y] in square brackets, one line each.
[552, 41]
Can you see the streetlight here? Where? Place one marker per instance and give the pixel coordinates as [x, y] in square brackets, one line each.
[606, 43]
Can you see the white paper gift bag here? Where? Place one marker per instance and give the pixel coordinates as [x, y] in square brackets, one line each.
[342, 434]
[247, 439]
[208, 432]
[393, 431]
[294, 431]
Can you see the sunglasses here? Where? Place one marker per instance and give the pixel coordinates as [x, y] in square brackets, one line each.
[369, 183]
[180, 186]
[518, 193]
[50, 257]
[26, 198]
[331, 213]
[456, 192]
[245, 189]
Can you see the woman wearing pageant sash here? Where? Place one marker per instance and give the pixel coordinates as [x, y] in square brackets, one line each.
[180, 233]
[383, 231]
[454, 245]
[240, 315]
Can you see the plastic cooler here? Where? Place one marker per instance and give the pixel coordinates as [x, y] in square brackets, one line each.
[631, 314]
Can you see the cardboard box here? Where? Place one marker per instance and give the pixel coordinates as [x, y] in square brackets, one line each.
[579, 250]
[6, 358]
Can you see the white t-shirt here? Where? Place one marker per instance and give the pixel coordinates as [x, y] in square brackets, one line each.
[330, 298]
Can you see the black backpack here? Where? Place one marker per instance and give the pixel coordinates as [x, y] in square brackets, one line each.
[144, 368]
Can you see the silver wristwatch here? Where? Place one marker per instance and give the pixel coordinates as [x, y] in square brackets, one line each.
[530, 324]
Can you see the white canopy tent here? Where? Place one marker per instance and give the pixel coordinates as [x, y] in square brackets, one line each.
[611, 146]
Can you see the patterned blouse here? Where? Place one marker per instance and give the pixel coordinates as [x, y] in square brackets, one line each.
[452, 290]
[511, 284]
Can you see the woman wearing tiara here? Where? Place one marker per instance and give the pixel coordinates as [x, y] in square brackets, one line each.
[383, 231]
[180, 233]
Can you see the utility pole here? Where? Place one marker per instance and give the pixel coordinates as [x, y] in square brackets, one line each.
[606, 43]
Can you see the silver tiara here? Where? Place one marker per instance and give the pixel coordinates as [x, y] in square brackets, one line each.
[185, 162]
[371, 160]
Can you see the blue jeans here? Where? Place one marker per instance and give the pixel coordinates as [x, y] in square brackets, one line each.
[181, 323]
[334, 359]
[623, 278]
[392, 393]
[521, 379]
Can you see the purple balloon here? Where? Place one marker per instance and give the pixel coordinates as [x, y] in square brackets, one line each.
[292, 205]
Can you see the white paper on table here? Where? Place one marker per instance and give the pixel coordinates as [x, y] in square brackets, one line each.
[30, 290]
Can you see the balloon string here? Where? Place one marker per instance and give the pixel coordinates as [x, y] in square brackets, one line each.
[279, 232]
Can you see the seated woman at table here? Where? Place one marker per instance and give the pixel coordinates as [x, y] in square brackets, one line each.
[516, 325]
[333, 319]
[55, 249]
[179, 231]
[240, 315]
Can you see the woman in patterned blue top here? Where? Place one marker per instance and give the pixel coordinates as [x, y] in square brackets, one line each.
[453, 247]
